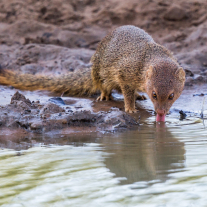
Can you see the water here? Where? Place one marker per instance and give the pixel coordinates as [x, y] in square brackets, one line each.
[154, 165]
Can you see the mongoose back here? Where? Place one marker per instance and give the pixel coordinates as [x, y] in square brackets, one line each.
[127, 60]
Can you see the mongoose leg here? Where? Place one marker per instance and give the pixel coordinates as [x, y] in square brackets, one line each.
[129, 99]
[140, 97]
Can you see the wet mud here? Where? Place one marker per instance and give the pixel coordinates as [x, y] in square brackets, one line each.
[58, 114]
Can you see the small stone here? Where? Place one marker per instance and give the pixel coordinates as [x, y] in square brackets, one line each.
[182, 115]
[57, 100]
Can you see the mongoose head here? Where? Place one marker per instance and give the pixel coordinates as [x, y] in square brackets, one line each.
[164, 84]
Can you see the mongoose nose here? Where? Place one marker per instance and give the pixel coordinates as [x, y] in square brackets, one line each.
[160, 112]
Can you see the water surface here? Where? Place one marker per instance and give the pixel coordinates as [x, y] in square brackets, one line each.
[153, 165]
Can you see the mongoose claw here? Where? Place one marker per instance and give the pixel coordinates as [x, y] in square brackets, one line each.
[131, 111]
[103, 97]
[99, 99]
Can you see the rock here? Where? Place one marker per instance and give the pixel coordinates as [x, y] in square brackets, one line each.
[81, 117]
[37, 125]
[193, 59]
[189, 81]
[175, 36]
[19, 97]
[175, 13]
[182, 115]
[57, 100]
[199, 79]
[204, 73]
[188, 73]
[198, 34]
[20, 105]
[51, 108]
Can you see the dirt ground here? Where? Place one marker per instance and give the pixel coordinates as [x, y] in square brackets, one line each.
[54, 37]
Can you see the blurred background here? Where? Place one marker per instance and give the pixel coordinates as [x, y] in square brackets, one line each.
[61, 35]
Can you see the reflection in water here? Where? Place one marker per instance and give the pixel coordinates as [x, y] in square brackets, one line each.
[73, 171]
[148, 154]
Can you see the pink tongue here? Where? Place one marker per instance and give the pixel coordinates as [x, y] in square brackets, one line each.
[160, 117]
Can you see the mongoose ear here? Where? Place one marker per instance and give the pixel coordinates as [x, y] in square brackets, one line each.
[180, 73]
[149, 71]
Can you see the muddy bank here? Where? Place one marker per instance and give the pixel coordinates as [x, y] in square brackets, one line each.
[42, 114]
[58, 114]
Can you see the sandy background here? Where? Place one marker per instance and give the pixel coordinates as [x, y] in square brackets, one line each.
[57, 36]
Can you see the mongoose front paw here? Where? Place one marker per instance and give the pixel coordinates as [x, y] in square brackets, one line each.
[131, 110]
[99, 98]
[104, 97]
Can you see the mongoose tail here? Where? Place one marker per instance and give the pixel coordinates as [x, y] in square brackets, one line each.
[73, 83]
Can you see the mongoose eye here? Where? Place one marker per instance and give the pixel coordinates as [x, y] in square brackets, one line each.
[171, 96]
[154, 95]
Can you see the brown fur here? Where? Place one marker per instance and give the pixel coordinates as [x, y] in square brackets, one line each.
[127, 60]
[74, 83]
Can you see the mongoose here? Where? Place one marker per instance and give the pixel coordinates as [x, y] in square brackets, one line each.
[127, 60]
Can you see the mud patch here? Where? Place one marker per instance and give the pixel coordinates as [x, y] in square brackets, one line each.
[40, 117]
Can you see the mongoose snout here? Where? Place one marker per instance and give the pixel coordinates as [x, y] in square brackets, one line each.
[164, 84]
